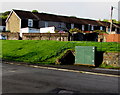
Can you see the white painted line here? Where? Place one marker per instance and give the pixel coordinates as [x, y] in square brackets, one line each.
[106, 69]
[76, 71]
[11, 71]
[67, 70]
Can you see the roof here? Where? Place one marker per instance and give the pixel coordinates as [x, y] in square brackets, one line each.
[57, 18]
[116, 25]
[51, 17]
[25, 14]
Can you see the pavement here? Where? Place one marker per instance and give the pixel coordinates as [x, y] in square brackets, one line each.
[72, 68]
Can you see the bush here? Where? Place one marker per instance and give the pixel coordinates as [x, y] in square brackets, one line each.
[56, 31]
[99, 31]
[75, 30]
[35, 11]
[7, 31]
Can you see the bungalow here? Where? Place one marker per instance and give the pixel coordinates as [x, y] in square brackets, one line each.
[19, 19]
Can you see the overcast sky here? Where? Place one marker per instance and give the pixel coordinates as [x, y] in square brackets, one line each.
[92, 9]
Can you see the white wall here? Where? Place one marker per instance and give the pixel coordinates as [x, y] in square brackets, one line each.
[47, 29]
[28, 30]
[33, 30]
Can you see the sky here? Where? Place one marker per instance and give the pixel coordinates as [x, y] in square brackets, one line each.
[91, 9]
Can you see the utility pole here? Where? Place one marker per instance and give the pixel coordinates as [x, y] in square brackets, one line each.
[111, 22]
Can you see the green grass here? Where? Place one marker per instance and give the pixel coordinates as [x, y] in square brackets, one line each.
[46, 52]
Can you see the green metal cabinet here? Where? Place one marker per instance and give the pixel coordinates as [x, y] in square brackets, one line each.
[85, 55]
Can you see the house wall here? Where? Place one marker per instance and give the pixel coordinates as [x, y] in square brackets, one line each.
[24, 23]
[13, 24]
[41, 24]
[78, 26]
[28, 30]
[58, 25]
[47, 30]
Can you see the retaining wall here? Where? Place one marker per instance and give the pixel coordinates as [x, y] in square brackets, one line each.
[111, 59]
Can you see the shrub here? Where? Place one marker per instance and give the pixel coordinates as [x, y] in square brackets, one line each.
[99, 31]
[75, 30]
[35, 11]
[56, 31]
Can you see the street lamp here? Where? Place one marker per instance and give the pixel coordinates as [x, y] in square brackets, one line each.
[111, 19]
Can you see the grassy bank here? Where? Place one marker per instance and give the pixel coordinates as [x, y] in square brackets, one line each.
[46, 52]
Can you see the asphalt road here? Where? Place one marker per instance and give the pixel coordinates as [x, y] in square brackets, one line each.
[23, 79]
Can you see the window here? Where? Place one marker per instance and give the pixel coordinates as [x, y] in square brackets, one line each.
[101, 28]
[83, 27]
[30, 22]
[92, 27]
[59, 25]
[72, 26]
[46, 24]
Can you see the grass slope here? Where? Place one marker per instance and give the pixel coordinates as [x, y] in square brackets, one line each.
[46, 52]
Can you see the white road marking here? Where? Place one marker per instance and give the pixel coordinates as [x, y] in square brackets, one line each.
[106, 69]
[76, 71]
[11, 71]
[67, 70]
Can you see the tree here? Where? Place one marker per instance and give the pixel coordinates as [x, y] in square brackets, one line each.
[4, 15]
[106, 20]
[35, 11]
[118, 22]
[114, 21]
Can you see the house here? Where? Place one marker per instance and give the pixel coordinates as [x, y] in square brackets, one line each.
[19, 19]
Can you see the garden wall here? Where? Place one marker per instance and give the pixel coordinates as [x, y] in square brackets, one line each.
[11, 36]
[113, 38]
[109, 38]
[46, 36]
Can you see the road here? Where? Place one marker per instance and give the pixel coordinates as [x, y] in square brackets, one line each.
[24, 79]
